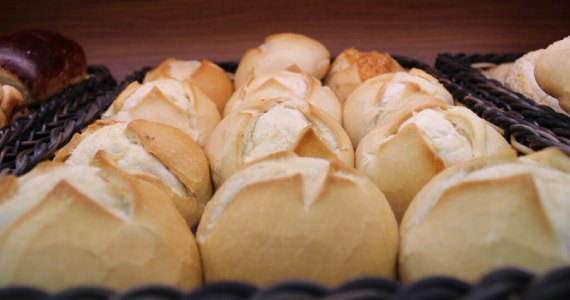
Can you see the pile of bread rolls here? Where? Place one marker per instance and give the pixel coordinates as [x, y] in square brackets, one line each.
[542, 75]
[373, 173]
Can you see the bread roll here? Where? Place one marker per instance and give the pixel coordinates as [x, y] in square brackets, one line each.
[498, 72]
[552, 72]
[352, 67]
[290, 217]
[520, 78]
[40, 63]
[292, 83]
[62, 226]
[280, 51]
[167, 101]
[489, 213]
[205, 75]
[158, 153]
[388, 92]
[12, 105]
[405, 152]
[265, 127]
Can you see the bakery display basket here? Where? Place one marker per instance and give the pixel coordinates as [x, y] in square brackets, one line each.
[527, 125]
[50, 125]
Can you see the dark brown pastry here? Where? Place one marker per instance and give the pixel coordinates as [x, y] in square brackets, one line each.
[40, 63]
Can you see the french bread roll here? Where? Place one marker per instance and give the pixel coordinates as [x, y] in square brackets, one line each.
[280, 51]
[62, 226]
[40, 63]
[352, 67]
[388, 92]
[168, 101]
[408, 149]
[158, 153]
[520, 78]
[498, 72]
[552, 72]
[205, 75]
[12, 105]
[286, 217]
[261, 128]
[293, 83]
[488, 213]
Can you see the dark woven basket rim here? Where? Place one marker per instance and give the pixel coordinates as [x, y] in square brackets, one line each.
[528, 126]
[504, 283]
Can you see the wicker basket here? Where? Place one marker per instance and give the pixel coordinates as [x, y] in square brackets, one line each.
[502, 284]
[527, 125]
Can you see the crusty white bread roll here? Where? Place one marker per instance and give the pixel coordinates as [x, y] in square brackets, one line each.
[40, 63]
[498, 72]
[293, 83]
[158, 153]
[408, 149]
[12, 105]
[205, 75]
[280, 51]
[520, 78]
[62, 226]
[288, 217]
[388, 92]
[168, 101]
[352, 67]
[552, 72]
[489, 213]
[261, 128]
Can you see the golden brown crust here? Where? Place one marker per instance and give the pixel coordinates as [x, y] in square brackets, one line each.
[268, 233]
[226, 146]
[52, 62]
[209, 78]
[475, 226]
[174, 149]
[68, 239]
[352, 67]
[280, 51]
[400, 161]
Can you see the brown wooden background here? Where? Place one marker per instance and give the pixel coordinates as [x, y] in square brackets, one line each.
[127, 35]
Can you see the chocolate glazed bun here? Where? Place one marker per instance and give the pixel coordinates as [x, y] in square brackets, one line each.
[40, 63]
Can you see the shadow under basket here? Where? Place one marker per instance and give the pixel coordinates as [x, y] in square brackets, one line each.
[528, 126]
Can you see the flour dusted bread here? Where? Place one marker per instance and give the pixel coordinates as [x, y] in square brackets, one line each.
[290, 83]
[205, 75]
[552, 72]
[40, 63]
[168, 101]
[63, 226]
[488, 213]
[405, 152]
[157, 153]
[280, 51]
[387, 94]
[265, 127]
[352, 67]
[289, 217]
[12, 105]
[520, 78]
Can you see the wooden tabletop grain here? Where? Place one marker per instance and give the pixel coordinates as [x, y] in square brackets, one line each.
[127, 35]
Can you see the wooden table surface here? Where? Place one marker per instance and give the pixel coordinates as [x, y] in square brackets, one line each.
[127, 35]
